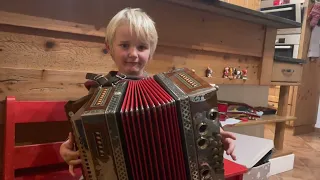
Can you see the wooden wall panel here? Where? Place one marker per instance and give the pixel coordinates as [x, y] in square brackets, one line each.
[196, 29]
[24, 49]
[30, 48]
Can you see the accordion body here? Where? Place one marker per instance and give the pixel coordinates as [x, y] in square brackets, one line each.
[164, 127]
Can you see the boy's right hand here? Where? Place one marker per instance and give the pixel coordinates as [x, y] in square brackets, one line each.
[68, 154]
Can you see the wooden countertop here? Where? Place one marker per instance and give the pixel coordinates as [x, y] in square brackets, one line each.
[266, 119]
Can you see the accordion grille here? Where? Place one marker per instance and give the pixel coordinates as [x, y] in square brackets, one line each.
[151, 132]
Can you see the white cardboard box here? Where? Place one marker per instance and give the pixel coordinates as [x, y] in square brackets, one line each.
[249, 151]
[258, 173]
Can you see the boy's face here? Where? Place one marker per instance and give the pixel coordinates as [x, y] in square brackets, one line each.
[129, 53]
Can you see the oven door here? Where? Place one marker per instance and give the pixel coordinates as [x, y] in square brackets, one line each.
[287, 45]
[287, 11]
[293, 11]
[287, 50]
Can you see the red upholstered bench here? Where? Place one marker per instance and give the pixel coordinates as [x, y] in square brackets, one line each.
[43, 161]
[37, 161]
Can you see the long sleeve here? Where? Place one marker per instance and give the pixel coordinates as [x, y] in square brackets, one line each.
[314, 15]
[314, 20]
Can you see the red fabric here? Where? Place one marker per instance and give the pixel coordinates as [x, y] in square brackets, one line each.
[314, 15]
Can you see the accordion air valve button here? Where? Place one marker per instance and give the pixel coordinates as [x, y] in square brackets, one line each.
[203, 128]
[203, 143]
[212, 114]
[205, 171]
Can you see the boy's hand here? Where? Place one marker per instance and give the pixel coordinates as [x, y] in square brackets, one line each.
[70, 156]
[228, 143]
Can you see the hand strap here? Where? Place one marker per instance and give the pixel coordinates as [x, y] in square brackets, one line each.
[111, 79]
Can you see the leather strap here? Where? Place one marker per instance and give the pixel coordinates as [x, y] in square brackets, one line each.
[112, 78]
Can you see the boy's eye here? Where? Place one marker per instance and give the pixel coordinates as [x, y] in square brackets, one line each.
[142, 47]
[125, 46]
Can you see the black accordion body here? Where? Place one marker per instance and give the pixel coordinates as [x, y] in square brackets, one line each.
[163, 127]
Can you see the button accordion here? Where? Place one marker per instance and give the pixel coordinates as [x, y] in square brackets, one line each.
[163, 127]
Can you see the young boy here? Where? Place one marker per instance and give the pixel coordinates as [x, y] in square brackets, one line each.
[131, 39]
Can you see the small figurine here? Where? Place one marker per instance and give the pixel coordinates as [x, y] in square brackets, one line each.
[235, 73]
[209, 72]
[231, 73]
[238, 74]
[244, 74]
[226, 72]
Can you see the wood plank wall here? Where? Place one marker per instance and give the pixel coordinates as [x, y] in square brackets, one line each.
[46, 47]
[251, 4]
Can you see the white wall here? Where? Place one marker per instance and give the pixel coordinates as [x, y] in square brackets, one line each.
[318, 117]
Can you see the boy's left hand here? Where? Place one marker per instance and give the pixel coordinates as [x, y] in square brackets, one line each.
[228, 143]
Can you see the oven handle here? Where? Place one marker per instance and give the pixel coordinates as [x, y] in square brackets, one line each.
[278, 10]
[283, 47]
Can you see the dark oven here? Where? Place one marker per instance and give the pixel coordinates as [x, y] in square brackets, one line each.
[287, 45]
[293, 11]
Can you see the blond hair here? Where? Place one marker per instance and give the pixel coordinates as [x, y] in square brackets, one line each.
[139, 22]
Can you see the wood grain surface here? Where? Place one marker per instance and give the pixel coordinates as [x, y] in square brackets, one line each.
[179, 26]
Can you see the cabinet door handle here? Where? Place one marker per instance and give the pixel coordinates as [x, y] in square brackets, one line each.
[287, 71]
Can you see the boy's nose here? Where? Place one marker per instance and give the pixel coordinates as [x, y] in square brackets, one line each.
[133, 52]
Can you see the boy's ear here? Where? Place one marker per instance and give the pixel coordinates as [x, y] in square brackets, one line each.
[108, 51]
[107, 46]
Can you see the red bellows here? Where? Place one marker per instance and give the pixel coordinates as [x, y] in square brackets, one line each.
[152, 134]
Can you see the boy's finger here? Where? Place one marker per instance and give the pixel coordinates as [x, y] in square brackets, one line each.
[228, 135]
[71, 170]
[71, 137]
[69, 142]
[73, 154]
[234, 157]
[74, 162]
[231, 147]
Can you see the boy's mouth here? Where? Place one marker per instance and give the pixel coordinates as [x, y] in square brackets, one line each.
[132, 63]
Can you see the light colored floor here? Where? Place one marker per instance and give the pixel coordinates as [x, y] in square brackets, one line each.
[307, 155]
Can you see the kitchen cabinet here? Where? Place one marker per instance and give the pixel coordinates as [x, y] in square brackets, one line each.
[287, 70]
